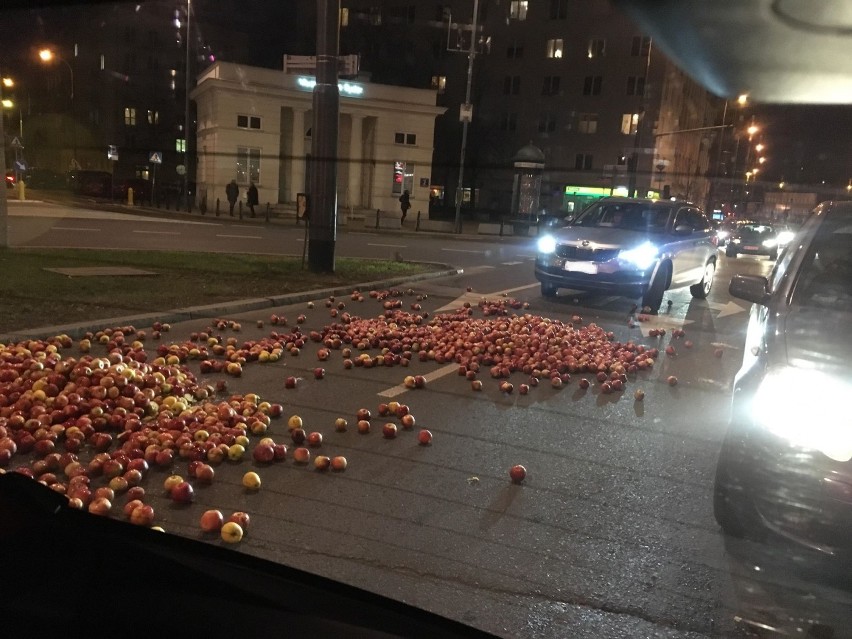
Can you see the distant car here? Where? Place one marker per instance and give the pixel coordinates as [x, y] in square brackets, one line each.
[727, 227]
[786, 459]
[91, 183]
[631, 247]
[753, 239]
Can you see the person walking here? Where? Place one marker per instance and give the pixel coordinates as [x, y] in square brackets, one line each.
[251, 197]
[404, 204]
[233, 192]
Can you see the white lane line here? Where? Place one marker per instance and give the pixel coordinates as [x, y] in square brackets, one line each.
[511, 263]
[463, 251]
[526, 257]
[245, 237]
[389, 245]
[399, 389]
[158, 232]
[513, 290]
[73, 228]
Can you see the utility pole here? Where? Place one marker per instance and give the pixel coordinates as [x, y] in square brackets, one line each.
[4, 210]
[465, 117]
[185, 190]
[322, 234]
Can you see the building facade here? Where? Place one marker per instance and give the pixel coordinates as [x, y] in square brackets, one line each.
[254, 125]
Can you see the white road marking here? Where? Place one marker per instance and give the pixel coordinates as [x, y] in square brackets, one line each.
[158, 232]
[730, 308]
[245, 237]
[514, 290]
[390, 245]
[74, 228]
[452, 250]
[511, 263]
[399, 389]
[526, 257]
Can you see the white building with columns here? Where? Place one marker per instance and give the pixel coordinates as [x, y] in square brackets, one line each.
[254, 125]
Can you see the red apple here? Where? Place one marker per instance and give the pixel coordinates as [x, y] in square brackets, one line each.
[212, 520]
[263, 453]
[142, 515]
[517, 473]
[240, 518]
[182, 493]
[424, 437]
[389, 430]
[301, 455]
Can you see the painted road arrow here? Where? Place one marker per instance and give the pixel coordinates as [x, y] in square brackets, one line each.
[729, 308]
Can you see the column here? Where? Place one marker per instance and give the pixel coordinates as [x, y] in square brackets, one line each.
[297, 153]
[356, 152]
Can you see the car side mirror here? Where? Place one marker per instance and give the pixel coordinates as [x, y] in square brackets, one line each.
[752, 288]
[683, 229]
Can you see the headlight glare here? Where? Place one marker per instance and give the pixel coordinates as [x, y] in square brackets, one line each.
[814, 424]
[642, 256]
[770, 243]
[785, 237]
[546, 244]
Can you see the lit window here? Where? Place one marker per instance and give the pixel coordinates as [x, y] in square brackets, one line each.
[344, 17]
[153, 117]
[439, 83]
[629, 123]
[588, 123]
[180, 145]
[129, 116]
[554, 48]
[172, 85]
[518, 9]
[174, 72]
[248, 165]
[597, 48]
[103, 62]
[403, 178]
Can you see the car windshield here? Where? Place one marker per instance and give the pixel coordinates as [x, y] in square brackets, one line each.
[301, 281]
[645, 217]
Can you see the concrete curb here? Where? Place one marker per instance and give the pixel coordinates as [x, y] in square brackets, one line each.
[76, 331]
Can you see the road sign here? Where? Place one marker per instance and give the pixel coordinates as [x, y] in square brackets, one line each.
[16, 143]
[424, 181]
[156, 157]
[112, 153]
[181, 169]
[465, 112]
[20, 165]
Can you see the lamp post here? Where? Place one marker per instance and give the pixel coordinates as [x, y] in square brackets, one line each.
[466, 118]
[47, 56]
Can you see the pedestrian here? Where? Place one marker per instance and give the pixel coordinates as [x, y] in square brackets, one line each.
[404, 203]
[233, 192]
[251, 197]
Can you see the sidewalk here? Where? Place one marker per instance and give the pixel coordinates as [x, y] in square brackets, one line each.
[358, 224]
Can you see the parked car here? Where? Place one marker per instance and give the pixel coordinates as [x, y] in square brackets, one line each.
[786, 460]
[37, 178]
[91, 183]
[753, 239]
[631, 247]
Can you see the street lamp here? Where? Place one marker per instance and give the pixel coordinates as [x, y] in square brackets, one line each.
[742, 100]
[4, 211]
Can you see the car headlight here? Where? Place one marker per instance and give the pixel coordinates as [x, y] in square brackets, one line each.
[642, 256]
[770, 243]
[815, 422]
[722, 234]
[546, 244]
[785, 237]
[736, 240]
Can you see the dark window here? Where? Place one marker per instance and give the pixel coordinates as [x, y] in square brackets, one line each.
[635, 85]
[254, 122]
[558, 9]
[509, 122]
[547, 123]
[583, 162]
[597, 48]
[242, 121]
[551, 85]
[515, 51]
[592, 85]
[640, 46]
[411, 138]
[399, 138]
[512, 85]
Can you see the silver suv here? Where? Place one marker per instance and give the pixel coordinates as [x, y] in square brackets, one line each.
[631, 247]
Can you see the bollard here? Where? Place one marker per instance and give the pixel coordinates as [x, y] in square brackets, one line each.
[241, 209]
[267, 211]
[502, 221]
[417, 226]
[22, 190]
[378, 211]
[129, 197]
[217, 207]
